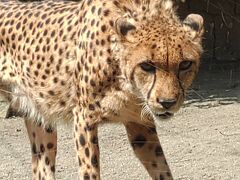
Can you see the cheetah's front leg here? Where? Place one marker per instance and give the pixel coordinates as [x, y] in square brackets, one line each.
[146, 146]
[86, 141]
[44, 150]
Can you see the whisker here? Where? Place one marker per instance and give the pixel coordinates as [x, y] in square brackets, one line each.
[199, 95]
[12, 93]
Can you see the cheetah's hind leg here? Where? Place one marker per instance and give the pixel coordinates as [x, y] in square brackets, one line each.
[44, 149]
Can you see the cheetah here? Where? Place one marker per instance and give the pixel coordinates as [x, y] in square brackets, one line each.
[96, 61]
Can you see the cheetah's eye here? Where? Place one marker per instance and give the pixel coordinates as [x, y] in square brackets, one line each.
[185, 65]
[148, 67]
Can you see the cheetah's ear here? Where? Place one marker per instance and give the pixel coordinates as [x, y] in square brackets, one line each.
[194, 22]
[125, 28]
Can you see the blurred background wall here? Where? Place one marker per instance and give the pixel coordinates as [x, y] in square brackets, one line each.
[222, 27]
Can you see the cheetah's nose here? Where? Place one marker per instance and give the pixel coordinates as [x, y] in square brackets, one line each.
[167, 103]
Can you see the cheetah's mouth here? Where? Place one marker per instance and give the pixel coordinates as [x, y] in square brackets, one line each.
[165, 115]
[160, 115]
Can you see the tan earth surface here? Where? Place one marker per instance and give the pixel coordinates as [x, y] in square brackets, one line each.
[202, 141]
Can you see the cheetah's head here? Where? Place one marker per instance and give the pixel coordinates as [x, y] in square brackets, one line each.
[159, 59]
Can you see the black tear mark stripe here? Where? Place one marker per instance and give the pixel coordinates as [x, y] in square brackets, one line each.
[167, 55]
[180, 84]
[179, 80]
[150, 90]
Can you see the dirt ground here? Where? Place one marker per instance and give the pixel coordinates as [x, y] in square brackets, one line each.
[202, 141]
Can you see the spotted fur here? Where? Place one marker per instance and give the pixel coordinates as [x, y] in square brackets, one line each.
[94, 61]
